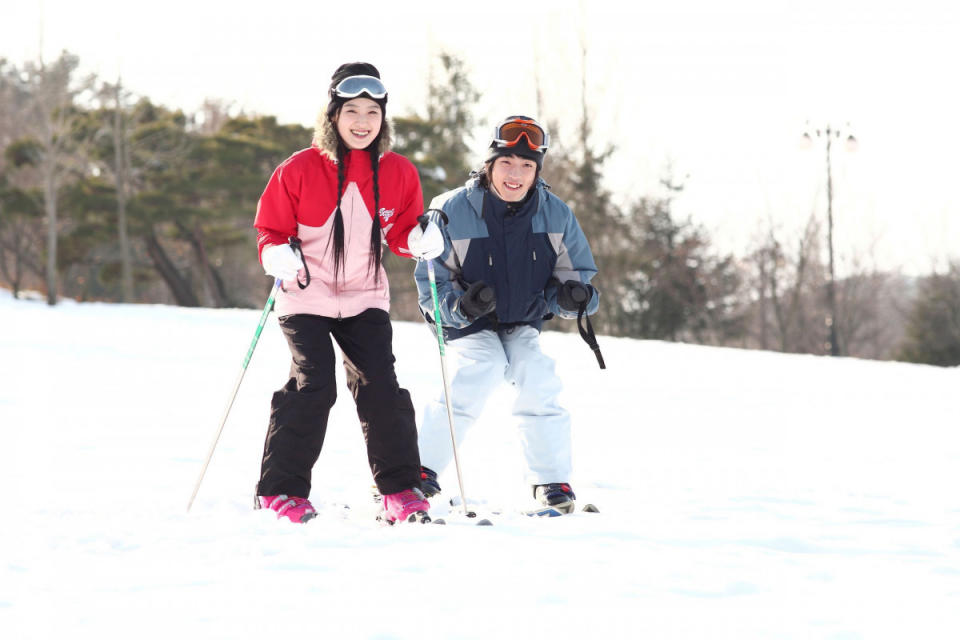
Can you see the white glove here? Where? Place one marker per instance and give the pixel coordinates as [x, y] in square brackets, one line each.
[280, 261]
[425, 244]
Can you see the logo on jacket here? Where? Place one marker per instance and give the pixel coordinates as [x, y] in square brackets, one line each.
[386, 214]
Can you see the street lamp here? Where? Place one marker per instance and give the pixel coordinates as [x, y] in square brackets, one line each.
[830, 134]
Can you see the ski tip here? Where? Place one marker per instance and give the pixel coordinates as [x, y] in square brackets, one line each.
[543, 512]
[484, 523]
[590, 508]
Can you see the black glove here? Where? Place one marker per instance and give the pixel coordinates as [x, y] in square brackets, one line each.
[478, 300]
[571, 295]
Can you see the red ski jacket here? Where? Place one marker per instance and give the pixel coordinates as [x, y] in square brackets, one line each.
[300, 200]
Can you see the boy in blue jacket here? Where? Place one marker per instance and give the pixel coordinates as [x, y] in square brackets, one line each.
[514, 256]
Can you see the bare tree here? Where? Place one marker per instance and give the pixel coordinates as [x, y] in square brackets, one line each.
[786, 288]
[870, 321]
[132, 137]
[786, 293]
[121, 148]
[50, 116]
[213, 114]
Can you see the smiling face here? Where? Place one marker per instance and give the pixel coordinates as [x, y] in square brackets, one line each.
[359, 122]
[512, 177]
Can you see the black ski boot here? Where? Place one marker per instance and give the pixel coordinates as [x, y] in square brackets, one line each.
[428, 482]
[558, 495]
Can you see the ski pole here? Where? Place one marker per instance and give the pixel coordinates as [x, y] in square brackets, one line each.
[256, 338]
[443, 367]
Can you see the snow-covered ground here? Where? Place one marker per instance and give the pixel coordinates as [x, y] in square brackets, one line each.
[743, 495]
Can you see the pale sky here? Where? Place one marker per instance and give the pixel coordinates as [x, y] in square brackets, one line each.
[719, 92]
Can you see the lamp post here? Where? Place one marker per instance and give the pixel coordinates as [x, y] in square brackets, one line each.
[829, 134]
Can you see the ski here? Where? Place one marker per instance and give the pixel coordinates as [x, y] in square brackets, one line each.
[553, 512]
[542, 512]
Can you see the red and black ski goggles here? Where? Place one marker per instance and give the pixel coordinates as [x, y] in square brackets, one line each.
[509, 132]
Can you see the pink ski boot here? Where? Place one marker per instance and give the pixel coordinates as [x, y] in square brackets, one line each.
[406, 506]
[296, 509]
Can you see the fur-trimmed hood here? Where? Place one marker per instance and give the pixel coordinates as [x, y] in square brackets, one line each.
[325, 136]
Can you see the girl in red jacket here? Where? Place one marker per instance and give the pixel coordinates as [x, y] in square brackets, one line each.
[321, 223]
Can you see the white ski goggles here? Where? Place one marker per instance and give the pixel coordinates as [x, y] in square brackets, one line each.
[357, 85]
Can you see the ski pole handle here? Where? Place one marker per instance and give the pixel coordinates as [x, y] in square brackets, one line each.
[423, 218]
[485, 295]
[295, 246]
[432, 274]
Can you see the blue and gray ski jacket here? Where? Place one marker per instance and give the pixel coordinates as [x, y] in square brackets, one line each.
[523, 253]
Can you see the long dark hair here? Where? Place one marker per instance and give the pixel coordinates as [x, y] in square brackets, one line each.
[376, 240]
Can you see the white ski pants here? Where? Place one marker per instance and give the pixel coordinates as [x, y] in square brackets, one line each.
[483, 361]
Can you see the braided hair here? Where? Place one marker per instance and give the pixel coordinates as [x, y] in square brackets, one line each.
[333, 110]
[376, 239]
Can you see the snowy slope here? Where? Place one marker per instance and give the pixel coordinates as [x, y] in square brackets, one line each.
[744, 495]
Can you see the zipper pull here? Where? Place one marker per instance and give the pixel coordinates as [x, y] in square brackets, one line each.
[490, 258]
[534, 255]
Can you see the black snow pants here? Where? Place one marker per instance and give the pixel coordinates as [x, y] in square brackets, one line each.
[299, 411]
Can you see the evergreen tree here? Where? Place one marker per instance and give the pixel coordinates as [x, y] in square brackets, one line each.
[137, 152]
[88, 245]
[933, 324]
[676, 288]
[437, 145]
[197, 210]
[575, 176]
[226, 178]
[21, 223]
